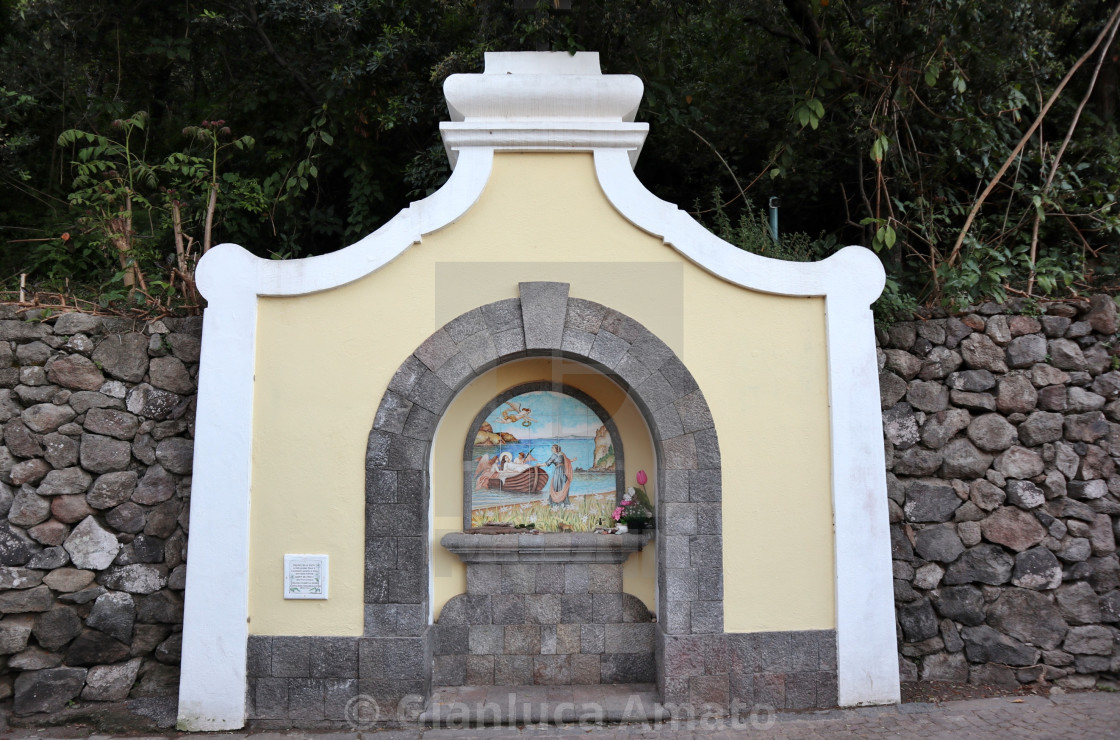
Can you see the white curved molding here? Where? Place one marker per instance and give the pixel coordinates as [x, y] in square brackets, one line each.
[229, 268]
[853, 269]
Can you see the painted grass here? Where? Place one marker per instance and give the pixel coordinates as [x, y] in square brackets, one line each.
[583, 515]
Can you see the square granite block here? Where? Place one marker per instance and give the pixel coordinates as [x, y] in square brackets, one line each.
[486, 639]
[585, 670]
[542, 608]
[508, 609]
[606, 608]
[550, 578]
[290, 657]
[552, 670]
[259, 664]
[801, 690]
[513, 670]
[627, 668]
[480, 670]
[629, 638]
[575, 608]
[709, 690]
[334, 657]
[568, 638]
[522, 640]
[269, 698]
[519, 578]
[803, 652]
[484, 578]
[604, 578]
[337, 693]
[592, 639]
[449, 670]
[451, 640]
[576, 578]
[305, 698]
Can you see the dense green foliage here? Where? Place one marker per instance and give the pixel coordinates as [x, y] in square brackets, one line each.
[134, 133]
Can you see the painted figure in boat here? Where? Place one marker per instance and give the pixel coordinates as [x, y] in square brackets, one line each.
[543, 458]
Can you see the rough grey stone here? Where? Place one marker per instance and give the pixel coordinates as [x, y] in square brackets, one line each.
[1029, 616]
[155, 487]
[1078, 603]
[939, 362]
[28, 509]
[930, 503]
[95, 648]
[917, 620]
[56, 627]
[176, 454]
[902, 363]
[1016, 394]
[47, 690]
[29, 471]
[14, 633]
[68, 580]
[1089, 640]
[19, 578]
[983, 644]
[971, 380]
[151, 403]
[991, 432]
[66, 481]
[43, 418]
[961, 459]
[1019, 462]
[981, 353]
[75, 372]
[36, 599]
[128, 517]
[981, 564]
[1040, 427]
[928, 396]
[1066, 355]
[1087, 427]
[900, 426]
[1013, 528]
[111, 682]
[1024, 494]
[91, 546]
[135, 579]
[917, 461]
[939, 543]
[939, 428]
[104, 454]
[111, 489]
[123, 356]
[1025, 351]
[111, 423]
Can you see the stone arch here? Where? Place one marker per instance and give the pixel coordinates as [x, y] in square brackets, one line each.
[544, 321]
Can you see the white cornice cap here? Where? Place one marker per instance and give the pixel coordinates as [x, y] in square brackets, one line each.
[543, 101]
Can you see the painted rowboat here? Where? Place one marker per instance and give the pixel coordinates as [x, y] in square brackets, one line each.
[530, 480]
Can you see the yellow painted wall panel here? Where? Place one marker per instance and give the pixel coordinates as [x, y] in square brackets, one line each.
[324, 361]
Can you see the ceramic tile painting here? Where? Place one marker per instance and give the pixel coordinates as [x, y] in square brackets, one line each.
[546, 459]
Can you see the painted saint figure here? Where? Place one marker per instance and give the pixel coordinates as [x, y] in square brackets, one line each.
[562, 478]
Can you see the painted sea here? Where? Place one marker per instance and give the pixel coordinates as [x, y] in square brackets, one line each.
[580, 450]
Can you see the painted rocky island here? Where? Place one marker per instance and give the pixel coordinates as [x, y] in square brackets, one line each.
[543, 458]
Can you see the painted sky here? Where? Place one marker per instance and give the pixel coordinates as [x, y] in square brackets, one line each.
[554, 414]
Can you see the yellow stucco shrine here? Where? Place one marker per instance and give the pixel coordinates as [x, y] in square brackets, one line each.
[336, 394]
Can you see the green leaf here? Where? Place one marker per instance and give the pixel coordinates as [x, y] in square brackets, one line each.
[326, 137]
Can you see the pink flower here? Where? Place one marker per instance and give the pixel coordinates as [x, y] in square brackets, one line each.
[617, 513]
[627, 503]
[642, 477]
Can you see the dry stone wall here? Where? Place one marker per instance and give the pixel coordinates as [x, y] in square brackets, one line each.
[97, 418]
[1002, 432]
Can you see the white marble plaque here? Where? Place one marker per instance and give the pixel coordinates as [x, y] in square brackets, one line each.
[305, 576]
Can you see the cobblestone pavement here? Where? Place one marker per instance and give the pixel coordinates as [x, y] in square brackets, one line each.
[1063, 717]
